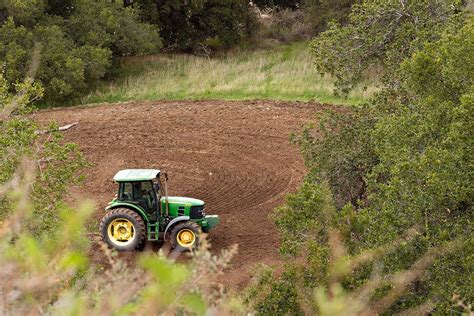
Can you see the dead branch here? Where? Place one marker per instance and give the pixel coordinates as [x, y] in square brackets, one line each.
[61, 129]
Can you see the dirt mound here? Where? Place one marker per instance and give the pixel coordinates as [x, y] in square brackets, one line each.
[235, 156]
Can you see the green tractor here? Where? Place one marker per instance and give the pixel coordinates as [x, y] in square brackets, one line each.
[142, 210]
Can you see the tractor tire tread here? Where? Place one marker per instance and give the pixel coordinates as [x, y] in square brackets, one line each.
[178, 227]
[128, 212]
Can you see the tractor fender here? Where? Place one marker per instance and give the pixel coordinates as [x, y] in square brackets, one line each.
[129, 206]
[174, 221]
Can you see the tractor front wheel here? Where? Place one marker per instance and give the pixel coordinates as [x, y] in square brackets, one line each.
[123, 229]
[185, 236]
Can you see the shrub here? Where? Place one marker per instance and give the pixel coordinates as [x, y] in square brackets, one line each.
[113, 27]
[284, 25]
[402, 161]
[57, 162]
[277, 3]
[379, 34]
[320, 12]
[320, 276]
[73, 56]
[199, 25]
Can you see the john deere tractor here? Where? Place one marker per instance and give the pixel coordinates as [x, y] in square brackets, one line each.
[142, 210]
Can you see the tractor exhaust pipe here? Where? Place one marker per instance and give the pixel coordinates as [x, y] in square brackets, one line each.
[166, 193]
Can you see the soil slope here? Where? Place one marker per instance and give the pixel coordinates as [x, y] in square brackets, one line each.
[236, 156]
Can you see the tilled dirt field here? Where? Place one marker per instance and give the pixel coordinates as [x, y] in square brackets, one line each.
[236, 156]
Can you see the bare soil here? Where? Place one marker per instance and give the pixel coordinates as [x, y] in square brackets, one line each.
[236, 156]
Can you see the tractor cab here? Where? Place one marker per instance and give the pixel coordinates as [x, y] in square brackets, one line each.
[142, 210]
[140, 187]
[144, 192]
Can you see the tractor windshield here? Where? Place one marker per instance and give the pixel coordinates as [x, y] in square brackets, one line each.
[141, 193]
[147, 196]
[125, 191]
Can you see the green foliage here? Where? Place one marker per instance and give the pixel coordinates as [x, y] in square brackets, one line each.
[200, 26]
[278, 3]
[342, 160]
[320, 12]
[292, 222]
[283, 25]
[331, 275]
[113, 27]
[380, 35]
[423, 140]
[15, 49]
[25, 12]
[270, 295]
[401, 162]
[57, 162]
[73, 57]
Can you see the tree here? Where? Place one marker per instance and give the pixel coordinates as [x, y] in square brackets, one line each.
[113, 27]
[194, 26]
[320, 12]
[73, 56]
[402, 162]
[57, 162]
[379, 34]
[282, 4]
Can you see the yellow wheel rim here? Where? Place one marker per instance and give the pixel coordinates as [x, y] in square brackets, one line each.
[121, 232]
[186, 238]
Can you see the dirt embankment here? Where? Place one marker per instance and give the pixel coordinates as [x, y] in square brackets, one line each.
[235, 156]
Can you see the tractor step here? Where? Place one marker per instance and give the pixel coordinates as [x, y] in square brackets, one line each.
[153, 231]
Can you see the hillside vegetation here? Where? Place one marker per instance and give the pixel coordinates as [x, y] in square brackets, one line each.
[393, 178]
[285, 73]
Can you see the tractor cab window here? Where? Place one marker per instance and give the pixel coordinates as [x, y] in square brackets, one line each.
[126, 192]
[141, 193]
[148, 196]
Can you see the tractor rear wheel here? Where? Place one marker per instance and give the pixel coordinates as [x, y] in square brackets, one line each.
[123, 229]
[185, 236]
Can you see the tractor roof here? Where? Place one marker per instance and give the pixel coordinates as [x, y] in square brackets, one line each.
[136, 175]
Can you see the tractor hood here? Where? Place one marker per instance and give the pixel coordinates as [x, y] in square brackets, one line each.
[182, 200]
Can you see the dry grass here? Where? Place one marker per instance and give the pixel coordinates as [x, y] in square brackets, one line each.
[285, 73]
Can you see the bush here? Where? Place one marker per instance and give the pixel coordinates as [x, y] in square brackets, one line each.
[378, 34]
[402, 162]
[74, 57]
[284, 25]
[284, 4]
[299, 20]
[113, 27]
[322, 275]
[320, 12]
[203, 25]
[57, 162]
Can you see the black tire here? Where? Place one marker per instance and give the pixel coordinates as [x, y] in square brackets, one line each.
[178, 230]
[138, 229]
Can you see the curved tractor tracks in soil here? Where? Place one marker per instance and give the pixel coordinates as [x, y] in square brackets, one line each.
[236, 156]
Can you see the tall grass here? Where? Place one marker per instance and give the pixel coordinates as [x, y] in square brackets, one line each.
[284, 73]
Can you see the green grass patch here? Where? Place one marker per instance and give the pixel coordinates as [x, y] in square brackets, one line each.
[283, 73]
